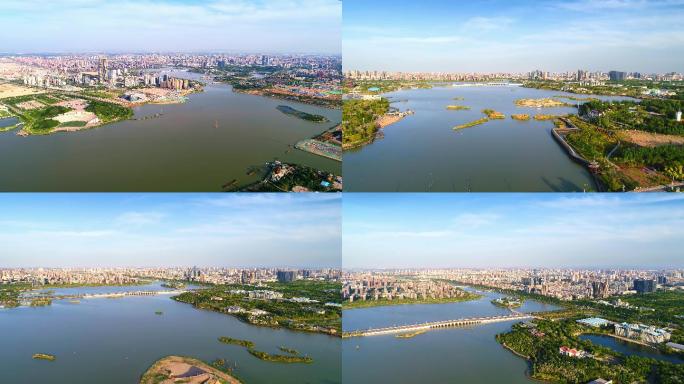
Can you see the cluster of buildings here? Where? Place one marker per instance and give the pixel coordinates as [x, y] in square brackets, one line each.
[371, 287]
[252, 276]
[565, 284]
[114, 276]
[641, 332]
[68, 276]
[129, 71]
[572, 352]
[645, 333]
[583, 76]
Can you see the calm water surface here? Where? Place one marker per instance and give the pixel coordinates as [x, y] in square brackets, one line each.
[113, 341]
[629, 349]
[423, 153]
[454, 355]
[183, 150]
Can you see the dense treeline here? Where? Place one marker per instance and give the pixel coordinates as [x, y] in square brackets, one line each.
[108, 112]
[359, 120]
[666, 158]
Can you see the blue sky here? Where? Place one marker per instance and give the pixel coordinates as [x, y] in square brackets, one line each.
[306, 26]
[514, 35]
[512, 230]
[62, 230]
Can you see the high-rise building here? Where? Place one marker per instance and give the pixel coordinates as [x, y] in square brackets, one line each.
[617, 75]
[102, 69]
[644, 285]
[286, 276]
[599, 289]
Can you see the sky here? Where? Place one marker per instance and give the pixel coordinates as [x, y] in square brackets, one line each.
[264, 26]
[147, 230]
[511, 230]
[514, 35]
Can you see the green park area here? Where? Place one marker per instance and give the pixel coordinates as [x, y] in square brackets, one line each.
[637, 144]
[312, 315]
[359, 121]
[539, 341]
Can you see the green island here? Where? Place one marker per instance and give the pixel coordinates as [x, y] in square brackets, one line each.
[466, 296]
[471, 124]
[279, 358]
[301, 114]
[546, 102]
[458, 98]
[293, 356]
[282, 177]
[158, 313]
[322, 313]
[410, 335]
[521, 117]
[493, 115]
[539, 341]
[181, 369]
[230, 340]
[359, 121]
[544, 117]
[44, 356]
[637, 145]
[508, 302]
[289, 350]
[457, 108]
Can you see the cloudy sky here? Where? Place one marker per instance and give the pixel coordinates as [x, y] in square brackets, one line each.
[514, 35]
[269, 26]
[512, 230]
[63, 230]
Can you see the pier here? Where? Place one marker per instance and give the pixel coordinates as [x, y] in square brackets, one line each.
[436, 325]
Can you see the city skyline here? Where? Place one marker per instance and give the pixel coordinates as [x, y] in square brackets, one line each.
[502, 36]
[512, 231]
[150, 230]
[171, 26]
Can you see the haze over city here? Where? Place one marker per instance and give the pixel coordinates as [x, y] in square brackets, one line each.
[512, 230]
[74, 26]
[513, 36]
[112, 230]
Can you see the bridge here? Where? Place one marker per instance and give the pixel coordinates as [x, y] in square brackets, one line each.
[436, 325]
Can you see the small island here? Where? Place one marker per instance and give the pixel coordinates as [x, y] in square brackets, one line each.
[541, 103]
[302, 115]
[521, 117]
[543, 117]
[289, 350]
[410, 334]
[44, 356]
[279, 358]
[230, 340]
[471, 124]
[493, 115]
[507, 302]
[457, 108]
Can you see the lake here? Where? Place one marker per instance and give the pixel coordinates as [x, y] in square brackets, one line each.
[114, 341]
[463, 355]
[199, 145]
[629, 349]
[423, 153]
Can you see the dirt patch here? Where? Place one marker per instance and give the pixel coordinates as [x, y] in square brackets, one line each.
[11, 90]
[177, 369]
[648, 139]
